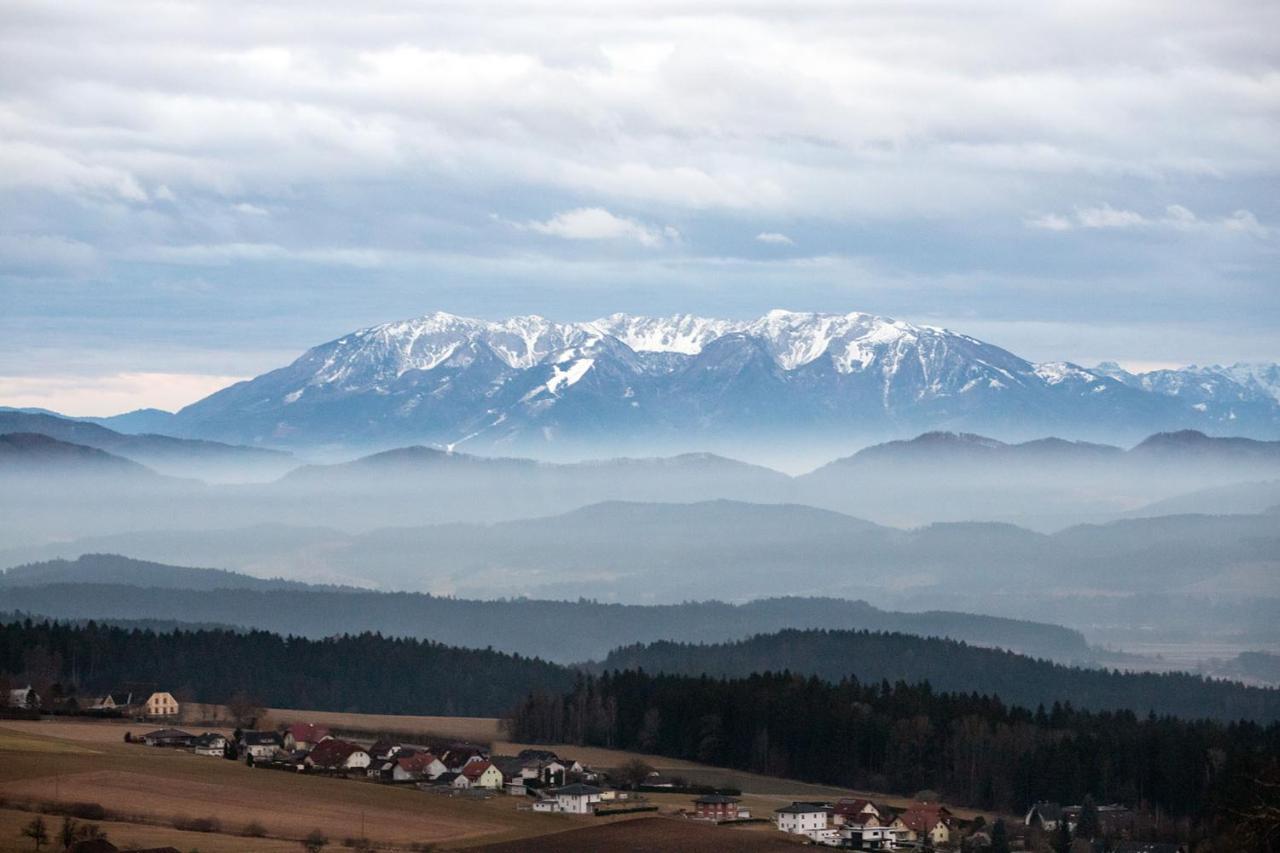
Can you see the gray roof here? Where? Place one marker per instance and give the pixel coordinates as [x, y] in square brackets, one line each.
[578, 790]
[803, 808]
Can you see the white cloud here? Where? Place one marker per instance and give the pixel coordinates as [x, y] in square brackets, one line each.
[775, 238]
[1175, 216]
[596, 223]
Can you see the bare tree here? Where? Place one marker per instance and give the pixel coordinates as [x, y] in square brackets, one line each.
[244, 709]
[37, 832]
[635, 772]
[315, 841]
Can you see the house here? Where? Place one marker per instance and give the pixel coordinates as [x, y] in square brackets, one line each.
[868, 835]
[169, 737]
[847, 807]
[383, 749]
[24, 697]
[304, 736]
[419, 765]
[1045, 815]
[261, 744]
[803, 818]
[460, 780]
[337, 755]
[577, 798]
[924, 821]
[447, 778]
[112, 702]
[211, 744]
[716, 807]
[483, 774]
[160, 705]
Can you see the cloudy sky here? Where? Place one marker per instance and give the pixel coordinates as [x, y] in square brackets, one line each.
[195, 192]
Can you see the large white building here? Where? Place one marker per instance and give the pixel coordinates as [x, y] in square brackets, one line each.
[803, 818]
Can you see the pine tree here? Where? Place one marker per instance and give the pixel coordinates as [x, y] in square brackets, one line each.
[1088, 826]
[999, 837]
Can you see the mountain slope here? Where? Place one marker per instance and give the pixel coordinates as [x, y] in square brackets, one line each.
[683, 381]
[166, 454]
[37, 455]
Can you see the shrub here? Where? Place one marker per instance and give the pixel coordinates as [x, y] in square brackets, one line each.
[197, 824]
[253, 829]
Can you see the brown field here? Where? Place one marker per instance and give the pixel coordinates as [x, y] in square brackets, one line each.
[131, 835]
[146, 788]
[481, 730]
[651, 835]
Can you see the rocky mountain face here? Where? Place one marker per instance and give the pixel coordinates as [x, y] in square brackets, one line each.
[528, 382]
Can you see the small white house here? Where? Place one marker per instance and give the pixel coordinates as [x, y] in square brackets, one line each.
[161, 705]
[24, 697]
[802, 818]
[211, 744]
[577, 799]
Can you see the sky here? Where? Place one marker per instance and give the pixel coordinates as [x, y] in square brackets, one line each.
[192, 193]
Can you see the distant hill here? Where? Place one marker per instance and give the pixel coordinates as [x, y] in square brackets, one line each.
[952, 667]
[114, 569]
[36, 454]
[107, 586]
[168, 455]
[1234, 499]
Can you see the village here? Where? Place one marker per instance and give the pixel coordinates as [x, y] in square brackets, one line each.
[542, 781]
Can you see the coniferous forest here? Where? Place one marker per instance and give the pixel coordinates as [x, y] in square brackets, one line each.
[366, 673]
[901, 738]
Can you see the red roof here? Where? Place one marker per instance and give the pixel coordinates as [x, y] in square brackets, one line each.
[416, 763]
[308, 732]
[474, 770]
[332, 753]
[853, 807]
[922, 818]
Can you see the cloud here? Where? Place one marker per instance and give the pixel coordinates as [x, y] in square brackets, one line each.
[91, 395]
[596, 223]
[1175, 216]
[775, 238]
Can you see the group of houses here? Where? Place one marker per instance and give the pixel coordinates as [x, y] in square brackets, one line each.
[557, 784]
[151, 704]
[861, 824]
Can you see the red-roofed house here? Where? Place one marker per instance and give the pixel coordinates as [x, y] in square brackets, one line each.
[420, 765]
[848, 808]
[931, 821]
[334, 754]
[304, 736]
[482, 774]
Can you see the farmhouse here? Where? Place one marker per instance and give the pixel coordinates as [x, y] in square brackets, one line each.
[419, 765]
[716, 807]
[160, 705]
[334, 754]
[211, 744]
[847, 808]
[261, 744]
[928, 822]
[1045, 815]
[577, 798]
[803, 818]
[483, 774]
[113, 702]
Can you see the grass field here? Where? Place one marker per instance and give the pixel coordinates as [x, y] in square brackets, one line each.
[651, 835]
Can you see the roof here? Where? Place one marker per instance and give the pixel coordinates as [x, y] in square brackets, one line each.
[853, 806]
[93, 845]
[209, 738]
[716, 799]
[922, 818]
[261, 738]
[803, 808]
[333, 752]
[415, 763]
[578, 790]
[447, 777]
[537, 754]
[162, 734]
[476, 769]
[308, 732]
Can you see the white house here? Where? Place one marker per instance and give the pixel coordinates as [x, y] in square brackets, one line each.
[24, 697]
[420, 765]
[803, 818]
[577, 799]
[483, 774]
[211, 744]
[261, 744]
[334, 754]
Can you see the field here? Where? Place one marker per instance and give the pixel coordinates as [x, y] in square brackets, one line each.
[147, 789]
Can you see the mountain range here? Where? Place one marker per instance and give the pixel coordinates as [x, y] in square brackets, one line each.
[681, 382]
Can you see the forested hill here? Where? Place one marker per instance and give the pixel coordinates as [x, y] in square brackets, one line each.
[366, 673]
[953, 667]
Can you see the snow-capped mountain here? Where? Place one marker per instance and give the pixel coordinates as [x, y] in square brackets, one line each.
[451, 380]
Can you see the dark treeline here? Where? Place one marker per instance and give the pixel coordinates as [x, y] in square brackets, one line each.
[365, 673]
[954, 667]
[974, 750]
